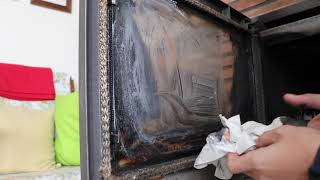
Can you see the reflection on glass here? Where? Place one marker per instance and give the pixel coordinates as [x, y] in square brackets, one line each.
[169, 80]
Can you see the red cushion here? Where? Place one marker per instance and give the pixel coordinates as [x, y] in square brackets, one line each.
[26, 83]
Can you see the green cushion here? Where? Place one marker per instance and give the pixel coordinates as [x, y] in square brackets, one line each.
[67, 141]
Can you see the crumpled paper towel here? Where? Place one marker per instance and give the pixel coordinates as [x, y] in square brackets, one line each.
[235, 138]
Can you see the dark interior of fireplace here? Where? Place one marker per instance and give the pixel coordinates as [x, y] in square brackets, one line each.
[290, 67]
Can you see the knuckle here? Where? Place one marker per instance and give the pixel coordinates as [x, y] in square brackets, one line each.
[278, 130]
[259, 142]
[285, 128]
[282, 130]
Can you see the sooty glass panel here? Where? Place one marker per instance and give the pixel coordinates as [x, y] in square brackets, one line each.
[173, 71]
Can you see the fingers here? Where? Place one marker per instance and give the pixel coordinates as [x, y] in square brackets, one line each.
[315, 122]
[239, 164]
[309, 100]
[244, 163]
[267, 139]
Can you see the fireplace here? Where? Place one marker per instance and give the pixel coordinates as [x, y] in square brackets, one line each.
[171, 67]
[174, 71]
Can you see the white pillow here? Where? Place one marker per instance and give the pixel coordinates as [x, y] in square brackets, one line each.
[61, 83]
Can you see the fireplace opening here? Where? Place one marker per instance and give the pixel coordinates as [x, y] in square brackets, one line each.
[291, 66]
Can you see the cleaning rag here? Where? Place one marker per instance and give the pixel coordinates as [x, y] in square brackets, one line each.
[235, 138]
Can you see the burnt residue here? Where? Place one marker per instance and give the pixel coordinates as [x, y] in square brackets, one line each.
[168, 80]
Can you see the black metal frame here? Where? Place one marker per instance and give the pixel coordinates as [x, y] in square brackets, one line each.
[296, 30]
[223, 12]
[284, 12]
[90, 125]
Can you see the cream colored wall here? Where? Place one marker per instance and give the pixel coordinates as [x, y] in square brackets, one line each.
[37, 36]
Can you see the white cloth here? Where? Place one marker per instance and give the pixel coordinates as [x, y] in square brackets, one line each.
[235, 138]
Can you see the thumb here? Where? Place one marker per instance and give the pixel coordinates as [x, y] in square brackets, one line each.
[239, 164]
[309, 100]
[267, 139]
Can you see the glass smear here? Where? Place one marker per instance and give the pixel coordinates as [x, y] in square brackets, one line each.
[168, 80]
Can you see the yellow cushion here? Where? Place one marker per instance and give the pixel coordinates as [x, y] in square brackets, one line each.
[26, 139]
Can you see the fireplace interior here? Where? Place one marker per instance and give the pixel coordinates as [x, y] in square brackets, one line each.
[290, 62]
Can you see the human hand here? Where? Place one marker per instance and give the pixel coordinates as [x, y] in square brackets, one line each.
[284, 153]
[308, 100]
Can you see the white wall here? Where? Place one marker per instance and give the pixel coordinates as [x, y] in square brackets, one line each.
[37, 36]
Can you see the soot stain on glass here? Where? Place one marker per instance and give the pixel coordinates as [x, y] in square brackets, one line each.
[173, 75]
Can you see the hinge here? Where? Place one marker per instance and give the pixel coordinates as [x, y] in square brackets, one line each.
[116, 137]
[113, 2]
[227, 12]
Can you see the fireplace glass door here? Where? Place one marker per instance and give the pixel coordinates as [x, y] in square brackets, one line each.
[174, 70]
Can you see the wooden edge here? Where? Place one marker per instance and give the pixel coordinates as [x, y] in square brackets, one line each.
[268, 6]
[72, 87]
[245, 4]
[67, 8]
